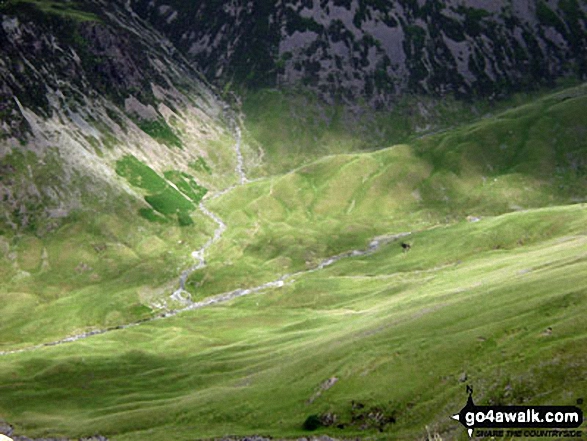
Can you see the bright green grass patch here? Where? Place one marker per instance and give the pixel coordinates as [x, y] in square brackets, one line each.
[159, 130]
[164, 199]
[152, 216]
[139, 174]
[169, 202]
[187, 185]
[184, 219]
[172, 203]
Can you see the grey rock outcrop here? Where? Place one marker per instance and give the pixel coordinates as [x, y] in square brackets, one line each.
[377, 50]
[8, 430]
[79, 89]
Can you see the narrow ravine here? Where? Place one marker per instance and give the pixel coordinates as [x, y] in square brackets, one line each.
[198, 255]
[234, 121]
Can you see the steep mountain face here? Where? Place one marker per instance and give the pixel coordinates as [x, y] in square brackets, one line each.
[109, 140]
[84, 85]
[376, 50]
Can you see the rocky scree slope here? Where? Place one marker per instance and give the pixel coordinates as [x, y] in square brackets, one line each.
[84, 85]
[377, 50]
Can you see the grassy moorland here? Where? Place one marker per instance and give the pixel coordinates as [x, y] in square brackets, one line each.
[98, 271]
[398, 330]
[497, 300]
[528, 157]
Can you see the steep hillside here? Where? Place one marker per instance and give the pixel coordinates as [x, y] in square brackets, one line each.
[319, 77]
[108, 142]
[375, 50]
[93, 87]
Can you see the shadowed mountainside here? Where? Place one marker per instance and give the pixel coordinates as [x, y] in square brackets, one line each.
[376, 50]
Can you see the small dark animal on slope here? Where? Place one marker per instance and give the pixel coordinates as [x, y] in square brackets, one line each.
[406, 247]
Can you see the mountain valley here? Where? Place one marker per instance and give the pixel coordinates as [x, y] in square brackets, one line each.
[209, 229]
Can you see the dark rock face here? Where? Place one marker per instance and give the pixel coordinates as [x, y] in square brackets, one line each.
[83, 83]
[227, 39]
[53, 59]
[375, 49]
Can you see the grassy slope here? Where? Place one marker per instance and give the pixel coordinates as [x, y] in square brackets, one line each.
[293, 128]
[398, 330]
[95, 271]
[531, 156]
[98, 268]
[102, 267]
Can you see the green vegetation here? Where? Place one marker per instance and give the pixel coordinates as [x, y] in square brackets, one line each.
[524, 158]
[151, 215]
[139, 174]
[69, 9]
[547, 16]
[473, 18]
[492, 292]
[200, 164]
[164, 199]
[294, 128]
[312, 422]
[96, 270]
[169, 201]
[160, 131]
[187, 185]
[398, 331]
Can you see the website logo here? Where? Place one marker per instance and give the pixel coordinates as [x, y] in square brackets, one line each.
[511, 421]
